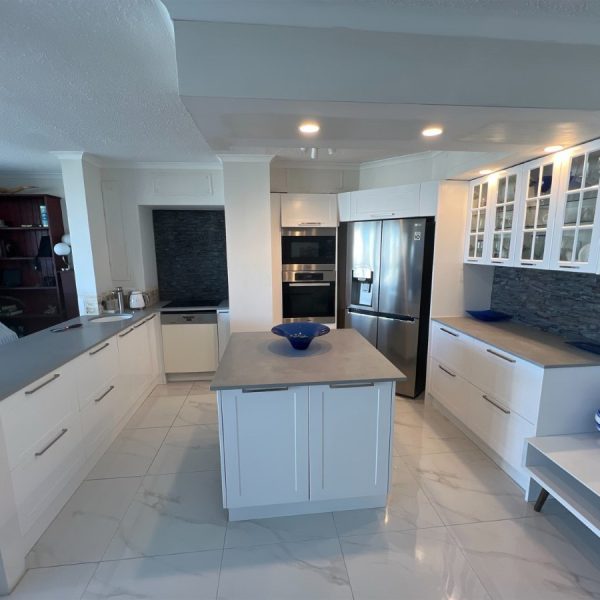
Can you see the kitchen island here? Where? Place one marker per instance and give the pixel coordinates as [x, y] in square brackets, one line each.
[304, 431]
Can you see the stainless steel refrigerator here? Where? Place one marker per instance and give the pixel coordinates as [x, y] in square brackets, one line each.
[385, 290]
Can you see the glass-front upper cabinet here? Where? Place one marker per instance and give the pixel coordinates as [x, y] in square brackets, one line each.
[477, 219]
[576, 231]
[538, 212]
[504, 221]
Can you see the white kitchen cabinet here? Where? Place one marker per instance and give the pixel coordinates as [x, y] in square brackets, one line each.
[223, 330]
[190, 348]
[155, 344]
[96, 369]
[576, 236]
[345, 206]
[386, 203]
[537, 212]
[266, 436]
[309, 210]
[342, 463]
[100, 415]
[478, 227]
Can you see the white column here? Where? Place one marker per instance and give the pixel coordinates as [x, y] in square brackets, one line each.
[249, 225]
[87, 228]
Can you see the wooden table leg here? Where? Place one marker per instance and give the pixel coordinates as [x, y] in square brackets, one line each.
[539, 503]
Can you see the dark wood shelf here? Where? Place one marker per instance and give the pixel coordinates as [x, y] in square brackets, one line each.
[28, 287]
[24, 228]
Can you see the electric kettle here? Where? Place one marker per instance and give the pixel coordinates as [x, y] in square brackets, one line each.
[138, 299]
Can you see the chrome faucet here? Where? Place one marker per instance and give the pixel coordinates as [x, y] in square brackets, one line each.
[118, 292]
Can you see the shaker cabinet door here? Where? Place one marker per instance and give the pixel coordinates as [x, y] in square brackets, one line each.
[265, 434]
[350, 441]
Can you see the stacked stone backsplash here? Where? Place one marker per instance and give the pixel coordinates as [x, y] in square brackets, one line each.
[191, 257]
[567, 304]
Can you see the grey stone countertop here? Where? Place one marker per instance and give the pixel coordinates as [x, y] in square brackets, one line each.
[263, 360]
[543, 349]
[27, 359]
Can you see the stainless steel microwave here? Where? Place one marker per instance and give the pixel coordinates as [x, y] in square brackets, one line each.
[308, 249]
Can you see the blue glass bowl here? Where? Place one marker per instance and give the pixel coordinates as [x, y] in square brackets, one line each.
[300, 335]
[490, 316]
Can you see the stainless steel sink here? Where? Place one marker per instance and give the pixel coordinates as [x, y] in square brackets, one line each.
[112, 318]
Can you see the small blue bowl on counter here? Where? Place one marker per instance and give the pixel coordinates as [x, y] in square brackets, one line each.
[490, 316]
[300, 335]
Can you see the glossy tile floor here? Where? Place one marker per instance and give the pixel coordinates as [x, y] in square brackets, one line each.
[148, 524]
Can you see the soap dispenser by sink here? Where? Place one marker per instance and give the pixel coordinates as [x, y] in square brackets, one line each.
[138, 299]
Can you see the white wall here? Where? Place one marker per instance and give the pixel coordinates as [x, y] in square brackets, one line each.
[314, 179]
[249, 230]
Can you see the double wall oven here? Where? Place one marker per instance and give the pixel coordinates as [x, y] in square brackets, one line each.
[308, 262]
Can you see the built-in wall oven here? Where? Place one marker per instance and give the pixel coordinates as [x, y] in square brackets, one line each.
[308, 249]
[309, 296]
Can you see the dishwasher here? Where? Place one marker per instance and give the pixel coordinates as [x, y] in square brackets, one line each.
[190, 341]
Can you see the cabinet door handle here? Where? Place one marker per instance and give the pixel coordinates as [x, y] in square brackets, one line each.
[506, 358]
[473, 260]
[257, 390]
[568, 267]
[498, 406]
[150, 318]
[126, 333]
[310, 284]
[449, 332]
[99, 349]
[446, 371]
[382, 214]
[498, 262]
[46, 448]
[108, 391]
[528, 264]
[339, 386]
[310, 223]
[39, 387]
[139, 324]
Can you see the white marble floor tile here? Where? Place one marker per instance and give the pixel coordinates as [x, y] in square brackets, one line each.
[193, 576]
[188, 449]
[280, 529]
[130, 454]
[84, 527]
[172, 389]
[156, 411]
[201, 387]
[528, 558]
[171, 514]
[54, 583]
[467, 487]
[408, 508]
[425, 564]
[415, 444]
[198, 409]
[312, 570]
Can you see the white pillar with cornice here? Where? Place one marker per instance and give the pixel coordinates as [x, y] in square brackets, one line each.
[87, 228]
[252, 229]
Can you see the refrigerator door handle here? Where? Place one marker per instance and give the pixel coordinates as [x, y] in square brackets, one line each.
[403, 319]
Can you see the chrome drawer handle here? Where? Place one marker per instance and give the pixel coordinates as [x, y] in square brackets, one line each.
[310, 223]
[499, 406]
[99, 349]
[108, 391]
[139, 324]
[449, 332]
[52, 442]
[341, 386]
[126, 333]
[150, 318]
[446, 371]
[256, 390]
[506, 358]
[39, 387]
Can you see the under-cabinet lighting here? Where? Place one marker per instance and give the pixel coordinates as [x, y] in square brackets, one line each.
[553, 148]
[432, 131]
[309, 127]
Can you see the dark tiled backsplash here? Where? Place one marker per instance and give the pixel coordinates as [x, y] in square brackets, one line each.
[567, 304]
[190, 254]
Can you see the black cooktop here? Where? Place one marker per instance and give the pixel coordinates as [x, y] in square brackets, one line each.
[193, 303]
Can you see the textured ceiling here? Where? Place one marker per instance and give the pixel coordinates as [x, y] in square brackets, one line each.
[98, 76]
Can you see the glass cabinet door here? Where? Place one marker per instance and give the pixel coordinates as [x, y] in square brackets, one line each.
[577, 235]
[477, 217]
[504, 218]
[539, 203]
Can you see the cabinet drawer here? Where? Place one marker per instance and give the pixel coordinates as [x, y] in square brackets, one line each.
[33, 415]
[514, 382]
[96, 369]
[98, 418]
[45, 470]
[450, 347]
[450, 389]
[505, 431]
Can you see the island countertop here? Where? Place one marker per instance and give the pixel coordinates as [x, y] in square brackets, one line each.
[262, 360]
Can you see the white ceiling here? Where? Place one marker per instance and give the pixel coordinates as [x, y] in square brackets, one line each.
[90, 75]
[102, 77]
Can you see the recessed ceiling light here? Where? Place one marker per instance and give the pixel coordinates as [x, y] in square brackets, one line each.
[485, 171]
[309, 127]
[432, 131]
[553, 148]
